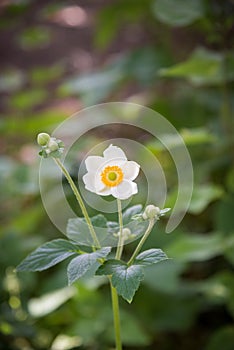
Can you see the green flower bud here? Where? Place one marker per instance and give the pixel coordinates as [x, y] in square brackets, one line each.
[151, 212]
[53, 146]
[43, 139]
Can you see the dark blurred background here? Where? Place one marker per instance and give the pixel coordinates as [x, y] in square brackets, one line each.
[175, 56]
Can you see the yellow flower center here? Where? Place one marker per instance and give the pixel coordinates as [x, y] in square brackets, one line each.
[112, 175]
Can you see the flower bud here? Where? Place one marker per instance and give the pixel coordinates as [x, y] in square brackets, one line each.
[126, 233]
[151, 212]
[43, 139]
[53, 146]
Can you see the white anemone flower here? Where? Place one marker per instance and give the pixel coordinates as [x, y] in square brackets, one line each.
[111, 174]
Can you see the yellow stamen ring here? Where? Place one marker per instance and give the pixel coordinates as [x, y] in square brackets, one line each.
[112, 176]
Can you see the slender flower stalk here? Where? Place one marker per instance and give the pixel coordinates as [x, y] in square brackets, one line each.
[120, 242]
[142, 241]
[80, 201]
[116, 316]
[114, 294]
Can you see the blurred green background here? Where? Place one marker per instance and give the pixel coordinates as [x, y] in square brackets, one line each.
[175, 56]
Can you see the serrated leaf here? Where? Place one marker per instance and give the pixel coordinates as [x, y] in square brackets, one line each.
[49, 254]
[149, 257]
[85, 262]
[128, 213]
[126, 279]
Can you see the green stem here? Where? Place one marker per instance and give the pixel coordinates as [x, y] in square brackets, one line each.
[120, 242]
[80, 201]
[115, 307]
[142, 241]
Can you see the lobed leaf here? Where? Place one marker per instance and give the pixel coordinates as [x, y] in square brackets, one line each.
[126, 279]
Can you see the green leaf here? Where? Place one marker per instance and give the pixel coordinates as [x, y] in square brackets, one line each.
[224, 218]
[78, 230]
[28, 99]
[197, 247]
[223, 339]
[150, 256]
[230, 179]
[165, 277]
[35, 38]
[112, 226]
[107, 26]
[202, 67]
[192, 136]
[178, 13]
[128, 213]
[85, 262]
[94, 87]
[111, 18]
[99, 221]
[44, 75]
[197, 136]
[133, 332]
[126, 279]
[202, 196]
[49, 254]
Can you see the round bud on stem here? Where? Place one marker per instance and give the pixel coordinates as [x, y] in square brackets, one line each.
[53, 146]
[151, 212]
[126, 233]
[43, 139]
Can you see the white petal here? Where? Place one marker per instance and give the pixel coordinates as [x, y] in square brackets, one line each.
[93, 163]
[89, 182]
[124, 190]
[110, 162]
[131, 170]
[114, 152]
[99, 185]
[105, 191]
[93, 182]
